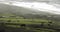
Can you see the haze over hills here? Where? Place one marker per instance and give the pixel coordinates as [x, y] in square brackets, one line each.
[22, 11]
[15, 9]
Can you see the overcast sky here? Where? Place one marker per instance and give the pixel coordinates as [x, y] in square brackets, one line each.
[41, 6]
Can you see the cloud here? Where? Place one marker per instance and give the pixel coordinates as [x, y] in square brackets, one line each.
[36, 5]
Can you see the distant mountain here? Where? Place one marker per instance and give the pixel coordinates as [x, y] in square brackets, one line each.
[22, 11]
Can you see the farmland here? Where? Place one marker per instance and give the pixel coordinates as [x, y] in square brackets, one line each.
[28, 25]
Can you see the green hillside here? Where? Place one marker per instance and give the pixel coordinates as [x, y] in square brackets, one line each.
[19, 19]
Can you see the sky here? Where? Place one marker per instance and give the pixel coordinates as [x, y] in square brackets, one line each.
[39, 6]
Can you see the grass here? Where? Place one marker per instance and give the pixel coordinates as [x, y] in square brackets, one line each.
[20, 20]
[24, 21]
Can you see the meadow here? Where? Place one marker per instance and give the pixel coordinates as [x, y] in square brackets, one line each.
[28, 25]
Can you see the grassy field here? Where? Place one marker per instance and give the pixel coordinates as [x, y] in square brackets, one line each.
[14, 21]
[24, 21]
